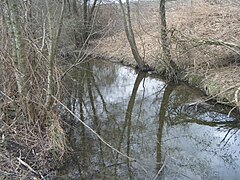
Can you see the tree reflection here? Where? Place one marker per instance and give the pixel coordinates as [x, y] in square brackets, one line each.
[127, 123]
[162, 113]
[200, 126]
[203, 113]
[95, 118]
[115, 108]
[82, 92]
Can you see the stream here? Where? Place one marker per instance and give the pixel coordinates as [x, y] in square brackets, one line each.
[166, 130]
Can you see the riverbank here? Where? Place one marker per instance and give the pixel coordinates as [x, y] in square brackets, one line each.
[35, 140]
[197, 33]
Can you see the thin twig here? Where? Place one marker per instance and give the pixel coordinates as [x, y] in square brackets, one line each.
[160, 170]
[216, 95]
[29, 167]
[6, 95]
[229, 113]
[98, 136]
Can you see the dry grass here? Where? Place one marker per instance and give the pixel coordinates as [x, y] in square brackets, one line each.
[22, 142]
[188, 24]
[25, 136]
[57, 138]
[37, 146]
[21, 133]
[217, 22]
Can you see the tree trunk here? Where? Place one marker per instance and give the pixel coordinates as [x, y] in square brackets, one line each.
[130, 34]
[92, 11]
[85, 20]
[18, 45]
[54, 37]
[168, 64]
[165, 46]
[74, 6]
[77, 34]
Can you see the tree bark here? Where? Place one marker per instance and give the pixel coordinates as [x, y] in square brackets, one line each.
[18, 45]
[165, 46]
[85, 19]
[130, 35]
[169, 64]
[54, 37]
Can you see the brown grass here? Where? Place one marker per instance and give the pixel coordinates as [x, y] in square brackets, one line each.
[214, 22]
[201, 21]
[188, 24]
[25, 138]
[40, 147]
[24, 132]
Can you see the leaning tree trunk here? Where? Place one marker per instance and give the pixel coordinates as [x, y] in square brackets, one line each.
[130, 35]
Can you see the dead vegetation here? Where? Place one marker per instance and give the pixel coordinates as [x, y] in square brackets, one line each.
[32, 140]
[27, 139]
[204, 39]
[206, 22]
[29, 149]
[192, 28]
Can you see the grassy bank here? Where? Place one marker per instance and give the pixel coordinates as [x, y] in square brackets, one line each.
[32, 139]
[200, 35]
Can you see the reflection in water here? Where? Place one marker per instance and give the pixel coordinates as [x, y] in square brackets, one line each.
[128, 123]
[163, 110]
[155, 123]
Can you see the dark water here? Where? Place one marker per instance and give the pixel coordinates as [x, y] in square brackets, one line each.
[155, 123]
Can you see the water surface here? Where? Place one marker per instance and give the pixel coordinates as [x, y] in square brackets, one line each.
[161, 126]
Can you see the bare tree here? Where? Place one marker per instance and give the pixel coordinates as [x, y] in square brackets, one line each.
[18, 44]
[52, 47]
[85, 20]
[168, 62]
[88, 13]
[130, 35]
